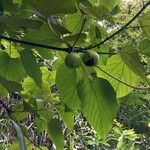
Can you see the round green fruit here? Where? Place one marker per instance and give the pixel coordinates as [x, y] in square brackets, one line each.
[73, 60]
[90, 58]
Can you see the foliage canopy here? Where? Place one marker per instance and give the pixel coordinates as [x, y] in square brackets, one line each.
[35, 38]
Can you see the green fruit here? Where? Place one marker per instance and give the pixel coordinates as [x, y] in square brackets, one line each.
[73, 60]
[90, 58]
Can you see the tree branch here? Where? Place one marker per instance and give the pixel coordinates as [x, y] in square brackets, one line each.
[45, 46]
[33, 44]
[136, 88]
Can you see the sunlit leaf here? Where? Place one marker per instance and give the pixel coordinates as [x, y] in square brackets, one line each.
[118, 69]
[66, 79]
[98, 103]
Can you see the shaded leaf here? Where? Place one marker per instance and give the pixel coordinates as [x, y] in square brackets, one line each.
[48, 8]
[144, 47]
[110, 4]
[55, 133]
[11, 86]
[131, 58]
[11, 68]
[99, 12]
[145, 22]
[30, 65]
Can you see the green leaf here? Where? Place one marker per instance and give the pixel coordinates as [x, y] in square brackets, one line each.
[19, 112]
[1, 6]
[17, 22]
[71, 38]
[22, 143]
[131, 58]
[48, 8]
[99, 12]
[30, 146]
[30, 65]
[118, 69]
[11, 68]
[10, 86]
[67, 116]
[110, 4]
[3, 90]
[41, 124]
[98, 104]
[97, 33]
[144, 47]
[56, 27]
[55, 133]
[31, 89]
[133, 98]
[145, 22]
[73, 23]
[44, 36]
[45, 53]
[66, 79]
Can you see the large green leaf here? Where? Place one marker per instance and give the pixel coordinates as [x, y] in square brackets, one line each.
[22, 144]
[30, 65]
[66, 79]
[145, 22]
[11, 68]
[98, 104]
[131, 58]
[117, 68]
[47, 7]
[55, 133]
[144, 47]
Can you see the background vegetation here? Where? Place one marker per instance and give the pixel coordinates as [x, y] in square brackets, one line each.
[46, 105]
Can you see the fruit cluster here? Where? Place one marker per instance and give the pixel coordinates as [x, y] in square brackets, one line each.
[74, 60]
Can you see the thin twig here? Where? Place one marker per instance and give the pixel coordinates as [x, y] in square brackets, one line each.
[84, 21]
[118, 31]
[137, 88]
